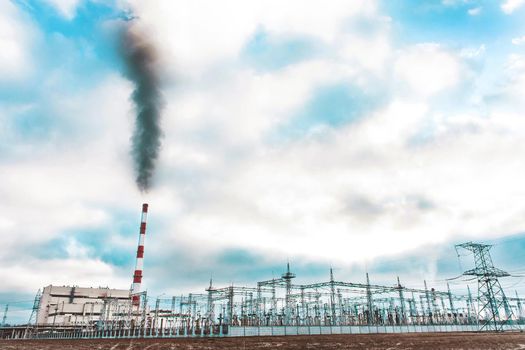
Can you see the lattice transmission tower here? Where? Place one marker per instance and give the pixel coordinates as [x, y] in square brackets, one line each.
[491, 298]
[34, 312]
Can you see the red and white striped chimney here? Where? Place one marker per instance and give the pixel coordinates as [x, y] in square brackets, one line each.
[137, 275]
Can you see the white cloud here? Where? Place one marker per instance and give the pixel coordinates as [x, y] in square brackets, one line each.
[65, 183]
[346, 195]
[370, 51]
[427, 69]
[184, 30]
[474, 11]
[471, 53]
[16, 37]
[519, 40]
[510, 94]
[31, 274]
[509, 6]
[279, 200]
[455, 2]
[385, 197]
[67, 8]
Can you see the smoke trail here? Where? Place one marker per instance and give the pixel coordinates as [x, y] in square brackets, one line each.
[141, 63]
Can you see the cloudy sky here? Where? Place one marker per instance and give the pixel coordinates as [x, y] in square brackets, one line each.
[367, 135]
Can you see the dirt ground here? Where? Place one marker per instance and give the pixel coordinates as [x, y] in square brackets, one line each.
[430, 341]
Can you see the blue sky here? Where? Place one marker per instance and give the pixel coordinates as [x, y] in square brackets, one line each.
[370, 136]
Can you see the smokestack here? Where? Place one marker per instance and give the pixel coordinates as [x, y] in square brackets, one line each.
[137, 275]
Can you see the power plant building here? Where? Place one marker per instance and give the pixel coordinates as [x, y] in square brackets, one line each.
[71, 305]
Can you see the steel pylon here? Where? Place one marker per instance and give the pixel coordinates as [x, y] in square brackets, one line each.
[491, 297]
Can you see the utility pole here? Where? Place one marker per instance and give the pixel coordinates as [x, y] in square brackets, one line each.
[303, 306]
[332, 295]
[451, 304]
[444, 315]
[173, 301]
[422, 305]
[434, 305]
[402, 301]
[210, 305]
[491, 297]
[258, 304]
[413, 308]
[342, 312]
[430, 313]
[369, 301]
[4, 319]
[287, 277]
[470, 307]
[230, 305]
[274, 304]
[144, 308]
[157, 307]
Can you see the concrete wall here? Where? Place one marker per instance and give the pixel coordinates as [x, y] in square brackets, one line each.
[317, 330]
[266, 331]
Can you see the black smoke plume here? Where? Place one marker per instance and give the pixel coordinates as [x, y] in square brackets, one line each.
[142, 69]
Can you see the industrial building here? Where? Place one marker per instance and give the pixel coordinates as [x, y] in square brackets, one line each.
[77, 306]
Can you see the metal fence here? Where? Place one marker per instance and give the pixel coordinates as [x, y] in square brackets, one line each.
[251, 331]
